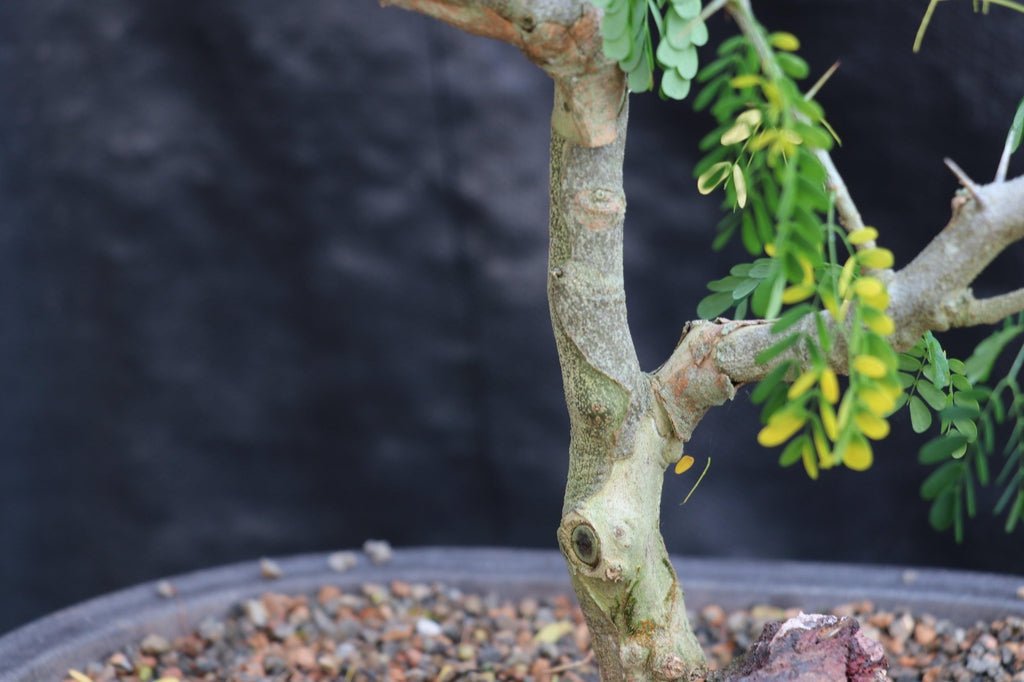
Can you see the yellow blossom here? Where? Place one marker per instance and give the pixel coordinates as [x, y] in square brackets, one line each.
[872, 426]
[871, 366]
[781, 426]
[857, 455]
[802, 384]
[863, 235]
[829, 385]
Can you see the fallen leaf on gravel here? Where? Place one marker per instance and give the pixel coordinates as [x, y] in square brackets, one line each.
[78, 677]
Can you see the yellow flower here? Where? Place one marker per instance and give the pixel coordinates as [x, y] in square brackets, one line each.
[830, 303]
[875, 259]
[863, 235]
[846, 276]
[797, 293]
[750, 117]
[684, 463]
[785, 41]
[737, 133]
[781, 426]
[802, 384]
[857, 454]
[880, 323]
[879, 302]
[747, 80]
[821, 445]
[870, 366]
[872, 426]
[828, 421]
[810, 461]
[879, 401]
[829, 386]
[867, 287]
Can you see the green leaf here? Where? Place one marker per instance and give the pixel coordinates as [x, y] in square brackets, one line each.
[688, 9]
[908, 363]
[791, 455]
[968, 428]
[981, 467]
[979, 365]
[791, 317]
[920, 415]
[707, 95]
[744, 289]
[938, 371]
[941, 514]
[777, 349]
[716, 67]
[640, 79]
[792, 65]
[1015, 513]
[942, 478]
[726, 283]
[1017, 128]
[766, 385]
[932, 395]
[714, 305]
[938, 449]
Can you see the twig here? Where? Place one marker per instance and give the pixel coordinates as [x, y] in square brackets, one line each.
[820, 83]
[919, 38]
[1004, 160]
[712, 7]
[965, 180]
[971, 311]
[849, 216]
[575, 664]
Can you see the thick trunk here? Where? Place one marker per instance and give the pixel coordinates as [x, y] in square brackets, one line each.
[621, 440]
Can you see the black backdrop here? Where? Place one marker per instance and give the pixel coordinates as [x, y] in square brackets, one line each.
[272, 280]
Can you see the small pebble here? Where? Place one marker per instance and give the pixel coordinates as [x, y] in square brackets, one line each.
[379, 551]
[428, 628]
[339, 562]
[165, 589]
[414, 633]
[270, 569]
[154, 645]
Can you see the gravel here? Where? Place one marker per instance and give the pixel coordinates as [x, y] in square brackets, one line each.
[411, 632]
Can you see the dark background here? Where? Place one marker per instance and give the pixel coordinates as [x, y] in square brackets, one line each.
[272, 281]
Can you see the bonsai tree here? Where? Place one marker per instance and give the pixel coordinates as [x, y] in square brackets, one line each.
[824, 298]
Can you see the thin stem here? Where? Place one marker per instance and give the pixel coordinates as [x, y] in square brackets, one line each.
[1009, 4]
[965, 180]
[1004, 160]
[924, 24]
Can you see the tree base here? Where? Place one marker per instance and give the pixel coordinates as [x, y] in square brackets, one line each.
[811, 648]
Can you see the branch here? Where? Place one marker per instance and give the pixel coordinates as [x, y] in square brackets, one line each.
[971, 312]
[562, 37]
[932, 293]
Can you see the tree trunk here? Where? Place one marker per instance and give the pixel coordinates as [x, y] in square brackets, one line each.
[621, 441]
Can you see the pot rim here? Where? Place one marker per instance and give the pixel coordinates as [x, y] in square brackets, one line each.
[44, 649]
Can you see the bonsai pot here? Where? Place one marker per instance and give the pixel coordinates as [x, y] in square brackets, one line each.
[47, 648]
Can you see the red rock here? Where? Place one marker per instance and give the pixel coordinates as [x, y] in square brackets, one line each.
[809, 648]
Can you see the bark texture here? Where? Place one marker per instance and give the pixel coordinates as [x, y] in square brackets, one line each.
[620, 445]
[628, 426]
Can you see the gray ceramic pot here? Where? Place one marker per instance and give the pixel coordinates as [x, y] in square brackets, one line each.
[45, 649]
